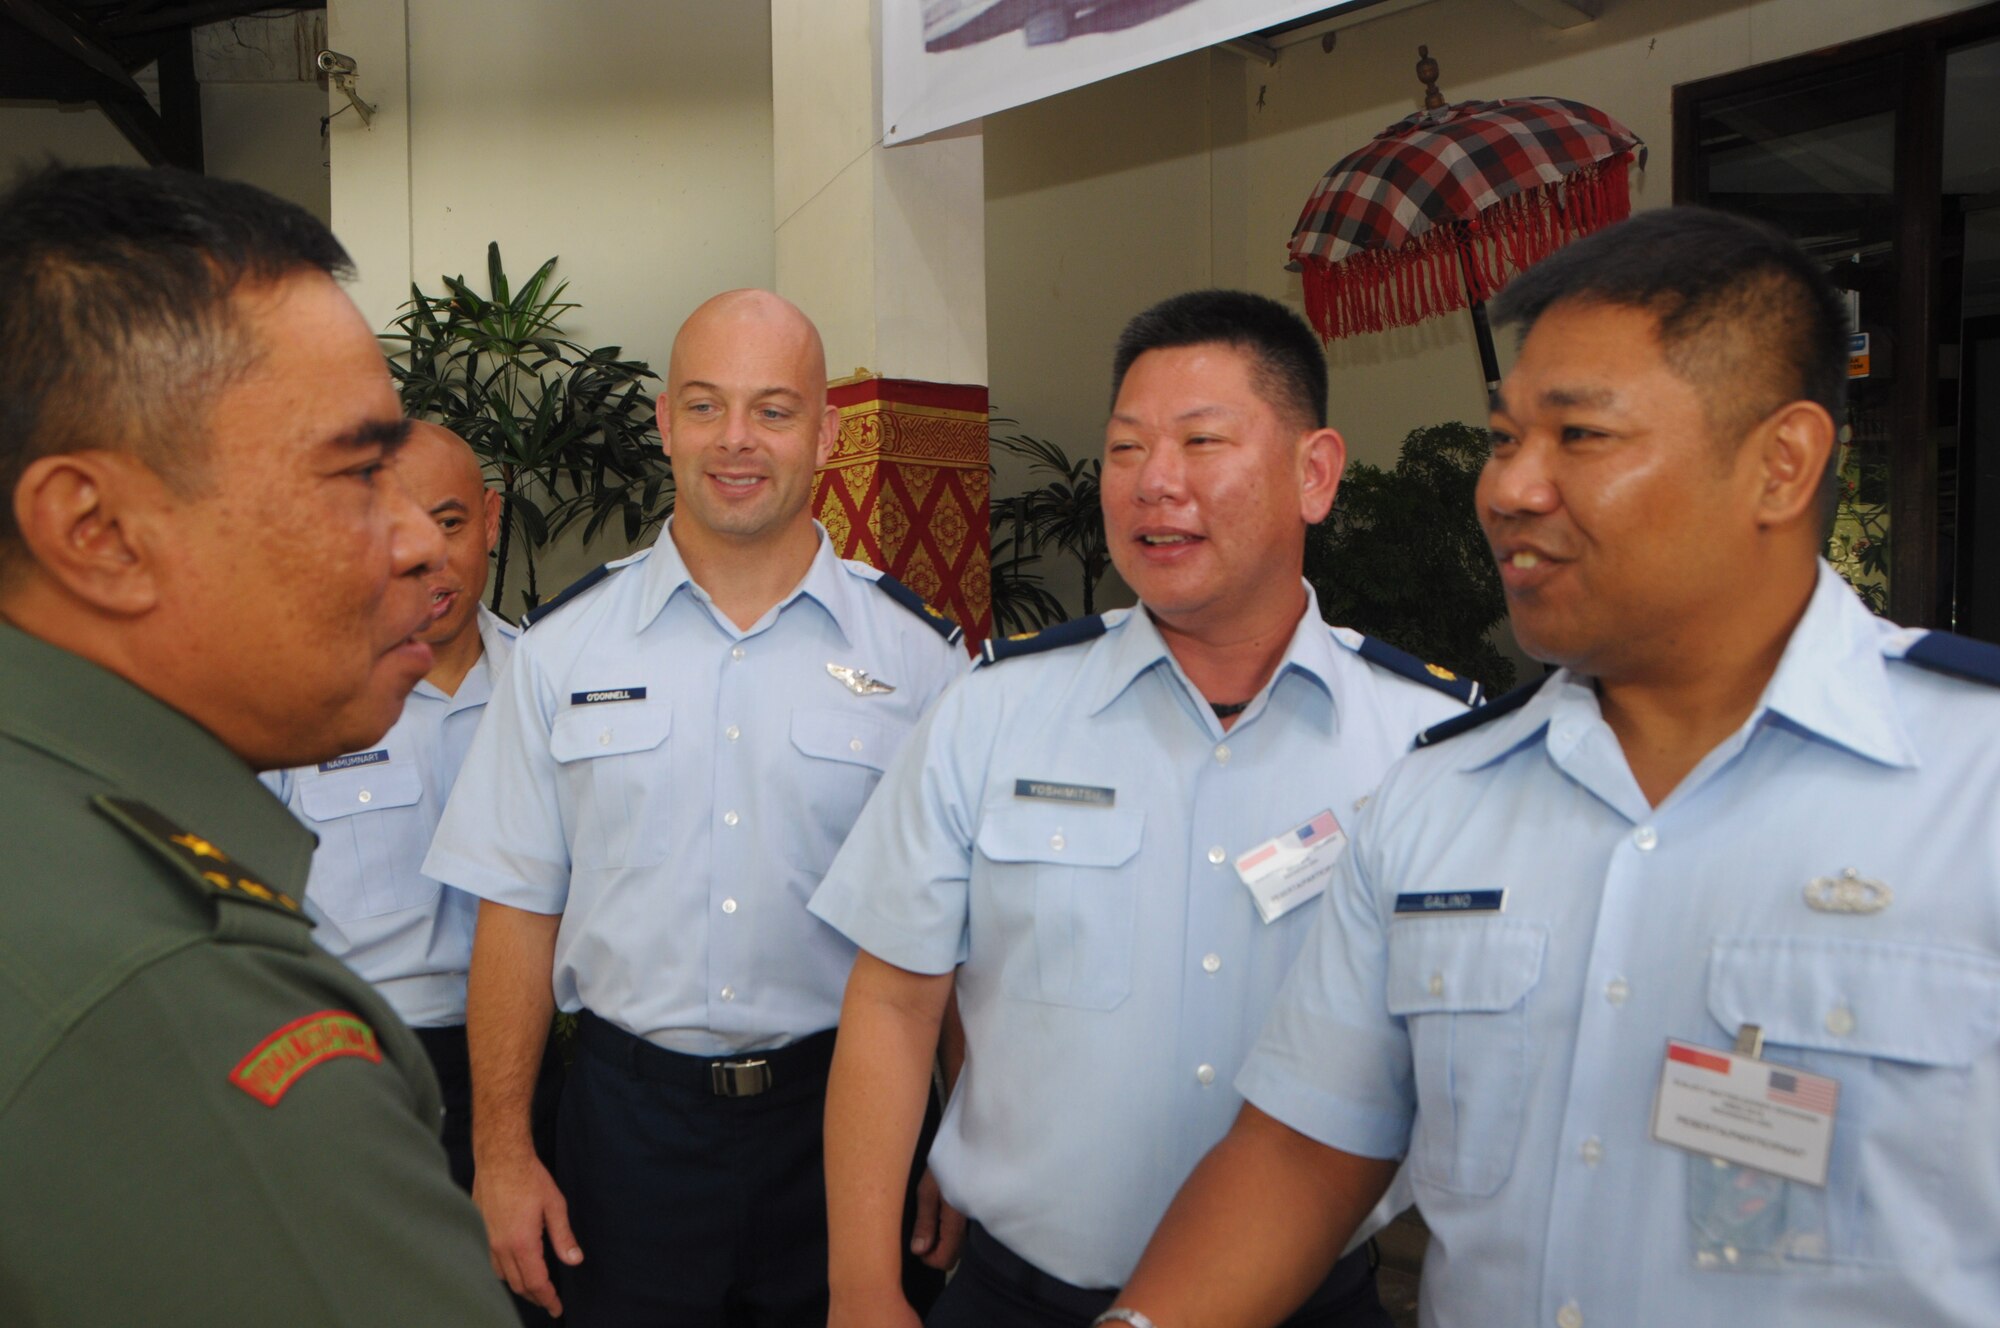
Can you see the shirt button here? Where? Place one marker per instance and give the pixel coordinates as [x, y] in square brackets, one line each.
[1593, 1151]
[1616, 991]
[1645, 837]
[728, 993]
[1056, 842]
[1569, 1316]
[736, 652]
[854, 744]
[729, 906]
[604, 738]
[1437, 984]
[364, 796]
[730, 818]
[1840, 1021]
[1210, 963]
[732, 733]
[1216, 855]
[1205, 1073]
[1222, 753]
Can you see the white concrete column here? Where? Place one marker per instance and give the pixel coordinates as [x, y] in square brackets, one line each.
[884, 247]
[370, 176]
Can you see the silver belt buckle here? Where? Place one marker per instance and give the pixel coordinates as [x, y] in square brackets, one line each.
[739, 1078]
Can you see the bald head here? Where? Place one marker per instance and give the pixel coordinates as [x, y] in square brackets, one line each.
[745, 423]
[745, 323]
[438, 469]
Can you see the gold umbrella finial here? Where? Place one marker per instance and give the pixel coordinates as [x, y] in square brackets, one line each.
[1427, 74]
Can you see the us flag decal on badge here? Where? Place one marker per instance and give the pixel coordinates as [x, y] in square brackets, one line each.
[282, 1059]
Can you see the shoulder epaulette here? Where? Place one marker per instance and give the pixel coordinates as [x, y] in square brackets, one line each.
[1401, 662]
[199, 862]
[1070, 633]
[1504, 704]
[917, 604]
[569, 592]
[1960, 656]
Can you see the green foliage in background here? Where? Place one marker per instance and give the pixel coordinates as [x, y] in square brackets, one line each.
[1402, 557]
[1063, 513]
[566, 433]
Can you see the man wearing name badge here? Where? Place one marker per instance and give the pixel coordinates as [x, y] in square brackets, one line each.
[1109, 834]
[375, 811]
[1677, 974]
[206, 568]
[681, 743]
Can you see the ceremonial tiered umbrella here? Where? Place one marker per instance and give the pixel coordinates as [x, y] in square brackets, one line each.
[1436, 212]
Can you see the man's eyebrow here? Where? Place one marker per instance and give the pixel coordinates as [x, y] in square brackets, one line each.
[1198, 412]
[1596, 398]
[780, 391]
[450, 505]
[389, 435]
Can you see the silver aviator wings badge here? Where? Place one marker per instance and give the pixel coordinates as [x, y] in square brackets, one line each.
[858, 681]
[1849, 892]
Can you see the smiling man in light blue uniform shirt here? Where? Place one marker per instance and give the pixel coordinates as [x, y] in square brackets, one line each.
[1677, 976]
[683, 742]
[375, 810]
[1083, 832]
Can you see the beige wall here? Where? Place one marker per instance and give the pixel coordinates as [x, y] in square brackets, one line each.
[1193, 172]
[630, 137]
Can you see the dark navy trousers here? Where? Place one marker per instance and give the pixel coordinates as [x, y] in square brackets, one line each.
[997, 1288]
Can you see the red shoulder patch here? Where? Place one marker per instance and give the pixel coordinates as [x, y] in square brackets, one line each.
[282, 1059]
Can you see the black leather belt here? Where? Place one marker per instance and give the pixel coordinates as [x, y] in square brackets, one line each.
[748, 1075]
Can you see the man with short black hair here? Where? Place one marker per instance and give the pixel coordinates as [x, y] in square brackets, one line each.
[1102, 840]
[1673, 975]
[206, 568]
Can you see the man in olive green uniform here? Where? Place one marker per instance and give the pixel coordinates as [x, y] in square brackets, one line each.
[206, 568]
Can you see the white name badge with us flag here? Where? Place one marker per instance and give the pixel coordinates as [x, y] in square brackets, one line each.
[1292, 869]
[1755, 1113]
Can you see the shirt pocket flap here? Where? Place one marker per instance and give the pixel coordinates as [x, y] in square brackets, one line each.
[613, 729]
[843, 735]
[1061, 835]
[1463, 965]
[368, 788]
[1919, 1004]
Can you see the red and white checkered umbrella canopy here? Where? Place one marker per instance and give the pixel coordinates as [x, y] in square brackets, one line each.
[1441, 208]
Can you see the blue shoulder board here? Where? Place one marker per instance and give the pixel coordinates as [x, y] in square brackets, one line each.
[918, 605]
[1960, 656]
[569, 592]
[1505, 704]
[1049, 638]
[1385, 656]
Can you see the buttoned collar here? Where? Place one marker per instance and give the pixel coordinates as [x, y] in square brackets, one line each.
[826, 583]
[1135, 647]
[91, 718]
[1831, 681]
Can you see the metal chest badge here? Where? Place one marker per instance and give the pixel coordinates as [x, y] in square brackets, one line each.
[858, 681]
[1849, 892]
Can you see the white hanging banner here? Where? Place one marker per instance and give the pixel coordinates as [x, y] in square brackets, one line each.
[945, 62]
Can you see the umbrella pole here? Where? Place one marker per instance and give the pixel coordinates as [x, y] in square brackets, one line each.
[1482, 328]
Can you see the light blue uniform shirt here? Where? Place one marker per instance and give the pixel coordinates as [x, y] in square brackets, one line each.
[374, 812]
[675, 787]
[1114, 967]
[1516, 1055]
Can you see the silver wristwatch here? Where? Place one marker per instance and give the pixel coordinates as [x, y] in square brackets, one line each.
[1120, 1314]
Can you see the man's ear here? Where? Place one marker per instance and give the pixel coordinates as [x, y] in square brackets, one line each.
[1322, 457]
[86, 520]
[1794, 446]
[829, 435]
[664, 417]
[494, 507]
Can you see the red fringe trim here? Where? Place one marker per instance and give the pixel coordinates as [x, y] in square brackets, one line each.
[1457, 262]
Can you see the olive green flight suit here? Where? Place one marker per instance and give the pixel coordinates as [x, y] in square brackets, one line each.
[204, 1119]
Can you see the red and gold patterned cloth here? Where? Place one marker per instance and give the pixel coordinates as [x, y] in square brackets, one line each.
[908, 490]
